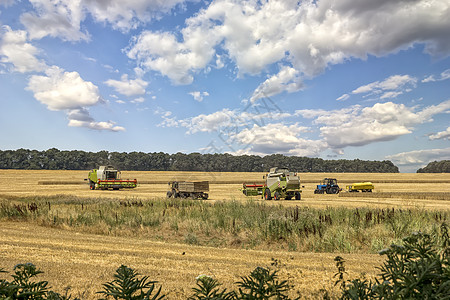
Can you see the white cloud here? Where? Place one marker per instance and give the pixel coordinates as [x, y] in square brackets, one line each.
[67, 91]
[55, 18]
[310, 35]
[441, 135]
[413, 160]
[288, 79]
[14, 49]
[277, 138]
[357, 126]
[61, 90]
[389, 88]
[343, 97]
[138, 100]
[443, 76]
[128, 87]
[198, 96]
[126, 15]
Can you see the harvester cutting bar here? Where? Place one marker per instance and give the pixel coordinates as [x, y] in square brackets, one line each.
[253, 185]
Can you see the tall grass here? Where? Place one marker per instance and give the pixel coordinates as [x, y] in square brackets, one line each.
[248, 224]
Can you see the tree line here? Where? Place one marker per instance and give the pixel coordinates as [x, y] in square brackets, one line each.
[54, 159]
[442, 166]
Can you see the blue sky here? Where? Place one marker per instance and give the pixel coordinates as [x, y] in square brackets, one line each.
[333, 79]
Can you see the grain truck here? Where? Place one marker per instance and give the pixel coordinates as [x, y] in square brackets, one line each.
[188, 189]
[108, 177]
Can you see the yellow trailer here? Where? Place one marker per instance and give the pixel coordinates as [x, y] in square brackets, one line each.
[361, 186]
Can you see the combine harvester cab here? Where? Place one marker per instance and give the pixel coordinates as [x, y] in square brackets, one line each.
[107, 177]
[279, 183]
[360, 186]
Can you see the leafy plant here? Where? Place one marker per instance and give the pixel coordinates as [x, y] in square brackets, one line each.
[207, 289]
[262, 283]
[417, 269]
[128, 286]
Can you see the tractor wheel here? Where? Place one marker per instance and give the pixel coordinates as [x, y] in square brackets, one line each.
[169, 194]
[298, 196]
[267, 195]
[276, 196]
[334, 190]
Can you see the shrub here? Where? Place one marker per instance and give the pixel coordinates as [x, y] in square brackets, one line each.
[129, 287]
[417, 269]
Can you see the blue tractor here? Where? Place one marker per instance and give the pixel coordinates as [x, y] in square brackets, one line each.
[329, 186]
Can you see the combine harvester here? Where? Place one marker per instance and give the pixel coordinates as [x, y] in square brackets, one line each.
[360, 186]
[107, 177]
[279, 183]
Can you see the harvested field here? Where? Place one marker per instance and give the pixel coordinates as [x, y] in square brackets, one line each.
[227, 186]
[85, 261]
[78, 237]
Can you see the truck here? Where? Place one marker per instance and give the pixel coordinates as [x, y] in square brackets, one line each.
[360, 186]
[188, 189]
[108, 177]
[279, 183]
[329, 186]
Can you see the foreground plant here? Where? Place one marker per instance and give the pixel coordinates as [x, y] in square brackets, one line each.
[128, 286]
[417, 269]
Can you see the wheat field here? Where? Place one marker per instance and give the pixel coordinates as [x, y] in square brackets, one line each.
[83, 260]
[227, 186]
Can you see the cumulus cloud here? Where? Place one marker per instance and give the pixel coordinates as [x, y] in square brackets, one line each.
[55, 18]
[198, 96]
[61, 90]
[128, 87]
[67, 91]
[442, 135]
[288, 79]
[15, 49]
[357, 126]
[413, 160]
[277, 138]
[309, 35]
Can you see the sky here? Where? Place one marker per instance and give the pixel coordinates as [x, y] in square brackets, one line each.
[335, 79]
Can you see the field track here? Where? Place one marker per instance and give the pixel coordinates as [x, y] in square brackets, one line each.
[85, 261]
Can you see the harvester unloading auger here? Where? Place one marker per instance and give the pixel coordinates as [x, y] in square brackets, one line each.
[279, 183]
[107, 177]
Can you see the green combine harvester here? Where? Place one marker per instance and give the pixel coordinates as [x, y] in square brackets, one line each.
[279, 183]
[107, 177]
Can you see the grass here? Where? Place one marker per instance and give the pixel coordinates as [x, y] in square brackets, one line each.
[247, 225]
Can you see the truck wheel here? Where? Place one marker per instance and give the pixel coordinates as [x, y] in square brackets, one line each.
[267, 195]
[298, 196]
[205, 196]
[169, 194]
[276, 196]
[287, 198]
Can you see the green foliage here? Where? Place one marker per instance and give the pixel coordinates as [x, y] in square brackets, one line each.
[207, 288]
[54, 159]
[24, 287]
[417, 269]
[262, 283]
[128, 286]
[442, 166]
